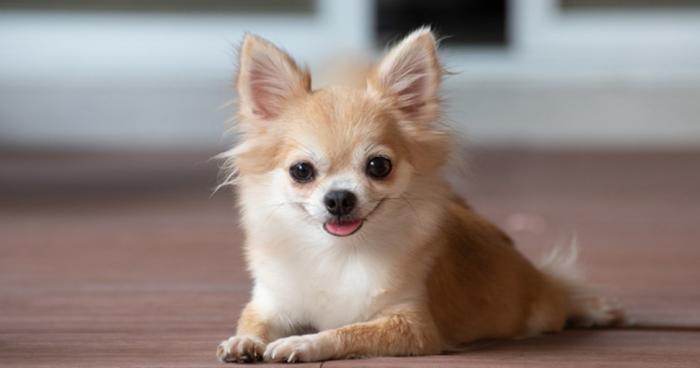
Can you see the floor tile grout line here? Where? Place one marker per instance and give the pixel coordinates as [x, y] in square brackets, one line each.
[652, 328]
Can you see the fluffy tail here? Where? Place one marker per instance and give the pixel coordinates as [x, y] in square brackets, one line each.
[585, 307]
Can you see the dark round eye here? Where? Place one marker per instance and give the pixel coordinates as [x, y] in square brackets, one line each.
[302, 172]
[378, 167]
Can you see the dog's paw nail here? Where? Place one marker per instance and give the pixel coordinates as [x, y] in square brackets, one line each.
[241, 349]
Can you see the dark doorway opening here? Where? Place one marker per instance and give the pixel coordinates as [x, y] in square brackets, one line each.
[464, 23]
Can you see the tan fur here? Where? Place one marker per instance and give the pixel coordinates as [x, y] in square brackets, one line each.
[251, 324]
[456, 280]
[481, 274]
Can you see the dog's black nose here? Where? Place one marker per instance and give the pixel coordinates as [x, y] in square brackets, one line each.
[340, 202]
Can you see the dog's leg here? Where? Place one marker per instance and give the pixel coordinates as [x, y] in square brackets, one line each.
[252, 335]
[596, 311]
[396, 333]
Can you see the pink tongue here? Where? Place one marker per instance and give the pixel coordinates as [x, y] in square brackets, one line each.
[343, 229]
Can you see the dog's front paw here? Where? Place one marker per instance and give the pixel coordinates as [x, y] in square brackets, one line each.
[305, 348]
[240, 349]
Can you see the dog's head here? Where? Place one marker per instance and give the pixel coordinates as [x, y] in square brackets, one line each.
[339, 157]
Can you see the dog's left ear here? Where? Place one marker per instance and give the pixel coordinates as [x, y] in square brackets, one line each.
[268, 79]
[408, 77]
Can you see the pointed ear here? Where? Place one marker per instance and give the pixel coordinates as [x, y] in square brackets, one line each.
[409, 76]
[268, 78]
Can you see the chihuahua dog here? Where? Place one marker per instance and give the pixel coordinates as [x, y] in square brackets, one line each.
[356, 244]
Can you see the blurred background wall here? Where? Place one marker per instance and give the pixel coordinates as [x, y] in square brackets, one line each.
[156, 74]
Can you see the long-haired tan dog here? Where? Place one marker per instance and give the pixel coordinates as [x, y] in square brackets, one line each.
[356, 244]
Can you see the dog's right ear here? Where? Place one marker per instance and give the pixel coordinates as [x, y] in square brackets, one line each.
[268, 78]
[408, 77]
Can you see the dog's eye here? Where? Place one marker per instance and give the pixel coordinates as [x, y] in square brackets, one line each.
[302, 172]
[378, 167]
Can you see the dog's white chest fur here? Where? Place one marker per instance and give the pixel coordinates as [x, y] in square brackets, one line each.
[328, 291]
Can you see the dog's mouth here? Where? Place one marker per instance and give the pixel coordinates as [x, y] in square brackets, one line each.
[343, 227]
[347, 226]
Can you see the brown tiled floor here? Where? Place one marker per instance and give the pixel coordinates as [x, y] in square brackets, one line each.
[120, 261]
